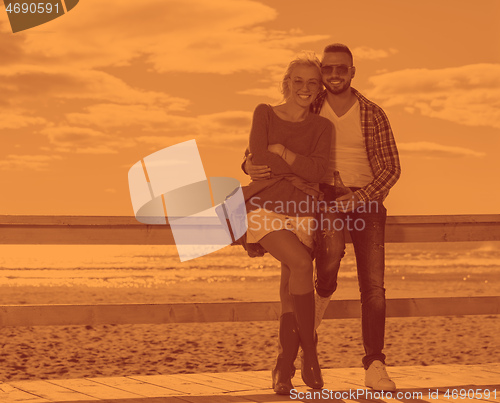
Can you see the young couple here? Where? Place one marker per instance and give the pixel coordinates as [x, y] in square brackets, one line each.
[295, 148]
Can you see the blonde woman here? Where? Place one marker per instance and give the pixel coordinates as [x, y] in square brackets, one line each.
[295, 144]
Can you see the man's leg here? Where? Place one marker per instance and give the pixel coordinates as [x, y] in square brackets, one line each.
[370, 260]
[285, 298]
[367, 234]
[330, 248]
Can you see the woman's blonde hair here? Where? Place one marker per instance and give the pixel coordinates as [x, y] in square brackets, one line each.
[304, 58]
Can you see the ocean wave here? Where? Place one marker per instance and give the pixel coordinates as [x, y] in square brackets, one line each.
[153, 265]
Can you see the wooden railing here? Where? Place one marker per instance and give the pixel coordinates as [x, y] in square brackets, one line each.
[71, 230]
[80, 230]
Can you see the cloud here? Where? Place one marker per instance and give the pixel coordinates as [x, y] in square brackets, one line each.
[129, 125]
[216, 36]
[466, 95]
[23, 83]
[11, 46]
[367, 53]
[67, 139]
[269, 92]
[27, 162]
[114, 115]
[230, 129]
[17, 118]
[434, 150]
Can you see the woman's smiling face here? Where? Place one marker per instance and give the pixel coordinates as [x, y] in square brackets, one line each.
[304, 84]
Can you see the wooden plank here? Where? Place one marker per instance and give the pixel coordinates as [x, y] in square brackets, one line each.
[264, 375]
[76, 235]
[427, 377]
[50, 391]
[69, 315]
[71, 230]
[183, 386]
[465, 374]
[205, 381]
[343, 378]
[9, 393]
[265, 396]
[96, 388]
[248, 378]
[64, 220]
[40, 315]
[343, 309]
[104, 388]
[216, 399]
[221, 382]
[135, 386]
[418, 307]
[354, 377]
[443, 228]
[95, 230]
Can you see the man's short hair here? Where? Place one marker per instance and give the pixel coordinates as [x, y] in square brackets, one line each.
[338, 47]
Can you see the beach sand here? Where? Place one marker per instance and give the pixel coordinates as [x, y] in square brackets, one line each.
[54, 352]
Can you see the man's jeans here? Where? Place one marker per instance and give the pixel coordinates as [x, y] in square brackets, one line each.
[367, 228]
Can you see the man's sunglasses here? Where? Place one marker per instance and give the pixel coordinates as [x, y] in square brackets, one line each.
[340, 69]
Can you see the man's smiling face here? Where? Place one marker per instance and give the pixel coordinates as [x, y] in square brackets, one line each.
[335, 78]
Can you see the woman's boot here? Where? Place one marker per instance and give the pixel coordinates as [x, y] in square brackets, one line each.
[288, 346]
[303, 306]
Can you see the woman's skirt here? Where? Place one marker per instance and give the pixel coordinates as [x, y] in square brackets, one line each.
[262, 222]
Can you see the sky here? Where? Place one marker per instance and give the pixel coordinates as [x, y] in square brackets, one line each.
[87, 95]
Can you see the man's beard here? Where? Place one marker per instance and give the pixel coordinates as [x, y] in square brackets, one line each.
[339, 90]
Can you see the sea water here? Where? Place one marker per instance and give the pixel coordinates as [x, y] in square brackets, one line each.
[150, 266]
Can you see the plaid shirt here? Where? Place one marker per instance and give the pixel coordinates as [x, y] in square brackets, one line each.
[380, 147]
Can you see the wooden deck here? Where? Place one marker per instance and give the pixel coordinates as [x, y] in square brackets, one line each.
[415, 384]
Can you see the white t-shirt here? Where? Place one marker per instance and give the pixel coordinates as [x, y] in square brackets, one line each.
[348, 150]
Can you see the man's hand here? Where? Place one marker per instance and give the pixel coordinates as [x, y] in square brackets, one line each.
[256, 172]
[347, 202]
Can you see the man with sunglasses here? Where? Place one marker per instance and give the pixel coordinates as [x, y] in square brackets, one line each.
[365, 154]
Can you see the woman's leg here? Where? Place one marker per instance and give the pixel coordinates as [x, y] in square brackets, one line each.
[287, 248]
[285, 298]
[288, 347]
[288, 339]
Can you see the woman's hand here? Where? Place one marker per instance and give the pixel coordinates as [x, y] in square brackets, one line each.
[256, 172]
[277, 149]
